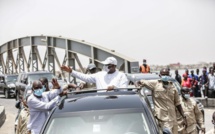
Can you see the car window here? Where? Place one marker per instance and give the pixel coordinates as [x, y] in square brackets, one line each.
[36, 76]
[114, 123]
[11, 78]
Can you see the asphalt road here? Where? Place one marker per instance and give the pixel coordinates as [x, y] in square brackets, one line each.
[11, 111]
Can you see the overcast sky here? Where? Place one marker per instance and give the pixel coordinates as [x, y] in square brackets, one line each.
[162, 31]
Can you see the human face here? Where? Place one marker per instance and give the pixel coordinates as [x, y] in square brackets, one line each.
[37, 86]
[45, 85]
[176, 72]
[92, 71]
[111, 67]
[186, 71]
[197, 71]
[185, 92]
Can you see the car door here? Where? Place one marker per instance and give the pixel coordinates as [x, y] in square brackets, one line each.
[1, 84]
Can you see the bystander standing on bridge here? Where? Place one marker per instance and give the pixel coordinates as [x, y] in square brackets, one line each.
[177, 76]
[211, 87]
[144, 68]
[204, 82]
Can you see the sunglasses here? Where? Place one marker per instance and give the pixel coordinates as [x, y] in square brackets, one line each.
[109, 65]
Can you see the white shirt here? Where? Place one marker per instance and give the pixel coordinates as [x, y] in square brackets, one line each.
[211, 81]
[103, 79]
[39, 108]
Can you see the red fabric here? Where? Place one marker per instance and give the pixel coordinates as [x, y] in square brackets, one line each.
[186, 83]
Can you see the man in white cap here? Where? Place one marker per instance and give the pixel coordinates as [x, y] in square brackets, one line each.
[110, 78]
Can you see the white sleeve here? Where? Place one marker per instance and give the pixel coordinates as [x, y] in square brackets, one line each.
[123, 83]
[53, 93]
[91, 78]
[37, 105]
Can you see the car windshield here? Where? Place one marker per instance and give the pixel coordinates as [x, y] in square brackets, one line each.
[100, 123]
[36, 76]
[11, 78]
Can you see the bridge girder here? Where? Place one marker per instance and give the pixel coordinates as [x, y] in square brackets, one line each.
[72, 48]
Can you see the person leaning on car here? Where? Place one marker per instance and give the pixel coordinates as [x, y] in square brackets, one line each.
[110, 78]
[193, 115]
[166, 99]
[40, 103]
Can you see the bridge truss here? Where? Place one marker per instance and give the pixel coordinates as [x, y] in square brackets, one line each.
[72, 48]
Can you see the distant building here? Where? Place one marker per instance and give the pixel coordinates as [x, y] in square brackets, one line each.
[174, 65]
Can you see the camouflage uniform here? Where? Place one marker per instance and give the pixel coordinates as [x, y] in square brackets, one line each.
[23, 121]
[165, 99]
[193, 115]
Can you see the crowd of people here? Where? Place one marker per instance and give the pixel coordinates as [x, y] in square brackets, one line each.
[201, 85]
[175, 113]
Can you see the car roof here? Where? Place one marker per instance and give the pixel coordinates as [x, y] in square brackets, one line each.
[37, 72]
[101, 101]
[145, 76]
[140, 76]
[12, 75]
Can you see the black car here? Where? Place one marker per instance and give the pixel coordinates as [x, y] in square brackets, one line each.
[7, 86]
[91, 112]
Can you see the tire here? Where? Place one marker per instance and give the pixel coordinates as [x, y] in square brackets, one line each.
[6, 94]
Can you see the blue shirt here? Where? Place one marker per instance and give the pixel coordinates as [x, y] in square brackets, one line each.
[194, 76]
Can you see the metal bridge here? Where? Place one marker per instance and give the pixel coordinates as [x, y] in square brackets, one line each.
[72, 48]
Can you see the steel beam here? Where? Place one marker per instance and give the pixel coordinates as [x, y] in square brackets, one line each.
[44, 61]
[21, 59]
[79, 62]
[10, 63]
[2, 64]
[34, 59]
[51, 60]
[38, 56]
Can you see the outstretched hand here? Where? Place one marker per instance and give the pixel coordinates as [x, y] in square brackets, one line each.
[66, 68]
[55, 84]
[137, 84]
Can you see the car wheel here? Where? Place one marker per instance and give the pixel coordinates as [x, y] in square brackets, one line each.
[6, 94]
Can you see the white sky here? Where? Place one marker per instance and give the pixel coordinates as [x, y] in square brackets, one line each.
[162, 31]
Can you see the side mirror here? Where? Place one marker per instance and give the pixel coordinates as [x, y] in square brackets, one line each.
[1, 81]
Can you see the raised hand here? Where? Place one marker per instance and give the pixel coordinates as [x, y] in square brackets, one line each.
[66, 68]
[55, 84]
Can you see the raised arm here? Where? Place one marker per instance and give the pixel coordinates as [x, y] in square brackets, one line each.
[37, 105]
[84, 77]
